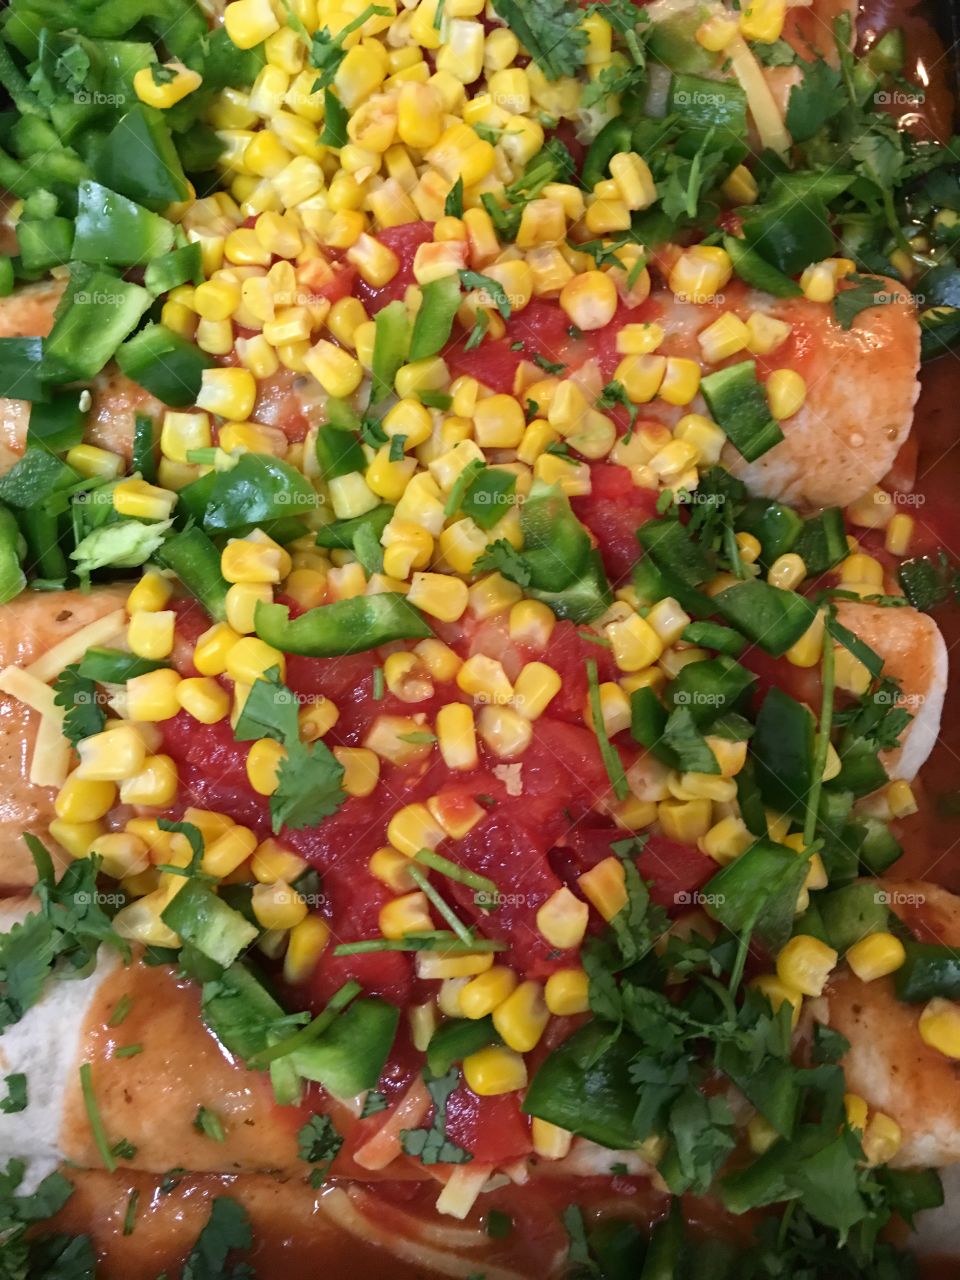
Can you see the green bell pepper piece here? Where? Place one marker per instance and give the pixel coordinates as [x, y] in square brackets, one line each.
[350, 1055]
[456, 1039]
[770, 617]
[180, 266]
[259, 491]
[114, 666]
[556, 544]
[929, 970]
[346, 626]
[20, 363]
[709, 688]
[615, 136]
[775, 526]
[758, 891]
[216, 930]
[757, 272]
[341, 533]
[738, 404]
[12, 578]
[338, 452]
[145, 447]
[196, 562]
[6, 277]
[790, 231]
[583, 599]
[390, 346]
[139, 160]
[705, 105]
[434, 322]
[57, 424]
[822, 542]
[783, 750]
[97, 311]
[166, 365]
[44, 244]
[114, 231]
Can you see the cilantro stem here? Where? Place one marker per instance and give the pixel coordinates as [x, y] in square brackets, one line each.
[94, 1118]
[312, 1031]
[608, 753]
[448, 943]
[451, 917]
[453, 871]
[822, 745]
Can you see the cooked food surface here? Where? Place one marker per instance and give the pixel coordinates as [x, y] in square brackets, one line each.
[475, 610]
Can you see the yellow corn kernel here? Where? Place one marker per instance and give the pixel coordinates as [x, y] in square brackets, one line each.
[641, 376]
[700, 273]
[498, 422]
[777, 991]
[901, 799]
[805, 964]
[763, 20]
[491, 595]
[535, 688]
[376, 263]
[249, 22]
[335, 369]
[531, 624]
[170, 91]
[389, 737]
[567, 992]
[589, 300]
[212, 647]
[724, 337]
[251, 658]
[229, 393]
[818, 282]
[150, 594]
[765, 333]
[484, 993]
[875, 956]
[563, 918]
[862, 568]
[485, 680]
[680, 382]
[153, 696]
[361, 769]
[505, 732]
[549, 1141]
[940, 1026]
[604, 886]
[264, 759]
[494, 1070]
[614, 707]
[182, 432]
[121, 853]
[154, 784]
[855, 1110]
[715, 34]
[252, 561]
[278, 906]
[882, 1138]
[413, 828]
[409, 913]
[522, 1018]
[605, 215]
[725, 840]
[350, 496]
[898, 535]
[761, 1135]
[456, 736]
[308, 940]
[749, 548]
[75, 837]
[228, 851]
[82, 800]
[392, 868]
[272, 862]
[438, 658]
[806, 651]
[151, 635]
[850, 673]
[439, 595]
[143, 501]
[93, 462]
[787, 571]
[786, 393]
[434, 967]
[241, 603]
[634, 643]
[685, 820]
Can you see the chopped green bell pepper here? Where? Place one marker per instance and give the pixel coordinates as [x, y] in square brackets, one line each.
[770, 617]
[12, 548]
[95, 314]
[139, 160]
[166, 365]
[434, 322]
[114, 231]
[346, 626]
[196, 562]
[738, 404]
[44, 244]
[390, 347]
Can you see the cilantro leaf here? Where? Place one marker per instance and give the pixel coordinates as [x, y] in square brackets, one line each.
[327, 51]
[453, 205]
[868, 291]
[16, 1099]
[613, 394]
[777, 54]
[432, 1145]
[309, 786]
[78, 695]
[318, 1143]
[688, 744]
[478, 332]
[162, 74]
[501, 557]
[550, 32]
[495, 293]
[209, 1123]
[227, 1229]
[817, 99]
[270, 711]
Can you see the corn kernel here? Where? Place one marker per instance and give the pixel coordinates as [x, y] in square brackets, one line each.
[875, 956]
[494, 1070]
[522, 1018]
[153, 696]
[786, 393]
[805, 964]
[882, 1138]
[80, 800]
[563, 918]
[487, 991]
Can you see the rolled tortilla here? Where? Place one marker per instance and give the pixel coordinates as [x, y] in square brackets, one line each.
[150, 1099]
[30, 627]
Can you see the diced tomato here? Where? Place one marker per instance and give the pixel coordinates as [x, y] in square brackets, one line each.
[802, 683]
[542, 328]
[603, 342]
[671, 869]
[404, 240]
[567, 652]
[494, 1130]
[613, 512]
[212, 770]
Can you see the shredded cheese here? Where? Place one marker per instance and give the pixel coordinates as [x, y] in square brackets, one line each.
[32, 692]
[51, 754]
[463, 1186]
[766, 115]
[49, 665]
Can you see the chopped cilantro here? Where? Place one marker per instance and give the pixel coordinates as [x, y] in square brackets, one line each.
[613, 394]
[868, 291]
[79, 696]
[776, 54]
[161, 74]
[130, 1214]
[227, 1229]
[548, 366]
[318, 1143]
[817, 99]
[501, 557]
[432, 1146]
[327, 51]
[550, 31]
[397, 445]
[16, 1099]
[209, 1123]
[480, 327]
[453, 205]
[495, 293]
[373, 1104]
